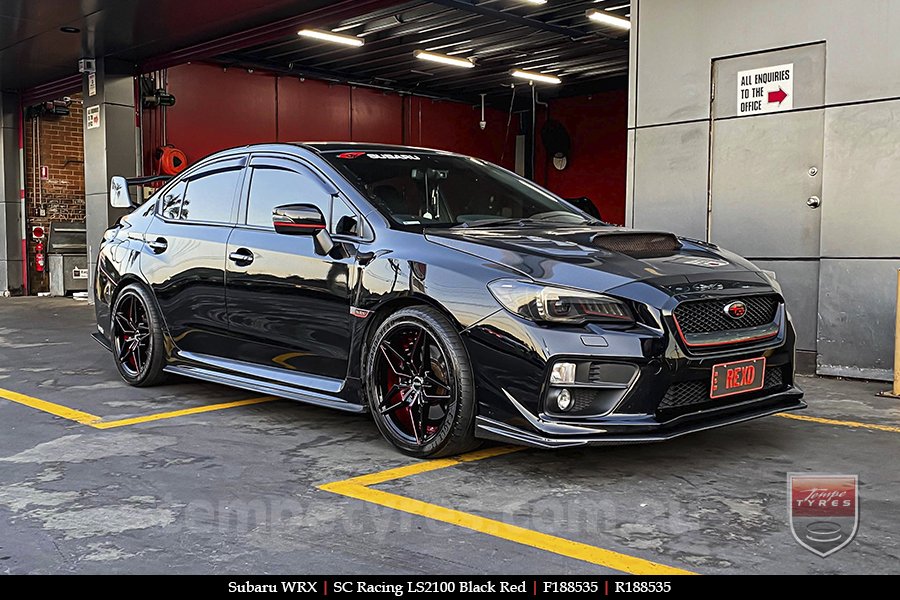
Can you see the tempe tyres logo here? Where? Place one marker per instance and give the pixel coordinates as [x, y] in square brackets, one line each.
[824, 511]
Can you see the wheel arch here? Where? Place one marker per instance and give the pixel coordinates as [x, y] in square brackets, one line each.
[381, 312]
[386, 308]
[128, 279]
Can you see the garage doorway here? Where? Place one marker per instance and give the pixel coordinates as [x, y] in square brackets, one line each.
[765, 183]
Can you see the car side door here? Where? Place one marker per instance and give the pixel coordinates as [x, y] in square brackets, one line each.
[184, 254]
[288, 304]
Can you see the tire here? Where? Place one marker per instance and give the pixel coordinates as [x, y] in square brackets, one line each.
[140, 361]
[420, 389]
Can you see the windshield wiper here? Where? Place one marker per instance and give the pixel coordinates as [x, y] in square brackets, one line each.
[521, 221]
[491, 222]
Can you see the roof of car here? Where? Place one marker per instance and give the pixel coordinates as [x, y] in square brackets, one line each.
[364, 147]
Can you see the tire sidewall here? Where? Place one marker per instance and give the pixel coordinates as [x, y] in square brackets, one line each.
[462, 410]
[153, 369]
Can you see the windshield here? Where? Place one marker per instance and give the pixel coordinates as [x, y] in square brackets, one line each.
[417, 190]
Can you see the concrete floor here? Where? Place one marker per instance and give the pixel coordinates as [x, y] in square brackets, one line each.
[235, 491]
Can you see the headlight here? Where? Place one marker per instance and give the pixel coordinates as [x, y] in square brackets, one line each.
[546, 303]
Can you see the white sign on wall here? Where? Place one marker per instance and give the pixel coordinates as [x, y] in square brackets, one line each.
[92, 84]
[92, 114]
[766, 90]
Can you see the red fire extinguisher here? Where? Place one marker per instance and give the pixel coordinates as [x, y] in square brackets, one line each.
[39, 257]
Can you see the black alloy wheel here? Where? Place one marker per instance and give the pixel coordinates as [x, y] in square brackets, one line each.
[137, 338]
[419, 384]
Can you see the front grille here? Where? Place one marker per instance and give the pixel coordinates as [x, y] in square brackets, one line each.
[708, 316]
[689, 393]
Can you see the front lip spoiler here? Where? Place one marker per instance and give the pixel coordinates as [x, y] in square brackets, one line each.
[783, 401]
[102, 341]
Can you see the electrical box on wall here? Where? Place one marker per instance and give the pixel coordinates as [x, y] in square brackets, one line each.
[87, 65]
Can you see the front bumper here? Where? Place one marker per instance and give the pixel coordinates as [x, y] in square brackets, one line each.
[545, 434]
[512, 357]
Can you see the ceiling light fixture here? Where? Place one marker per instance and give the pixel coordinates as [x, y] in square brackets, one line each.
[69, 29]
[444, 59]
[532, 76]
[327, 36]
[536, 1]
[601, 16]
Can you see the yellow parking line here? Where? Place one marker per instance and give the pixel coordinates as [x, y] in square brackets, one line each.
[49, 407]
[180, 413]
[96, 422]
[823, 421]
[358, 488]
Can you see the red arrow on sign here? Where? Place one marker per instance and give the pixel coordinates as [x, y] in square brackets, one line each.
[778, 96]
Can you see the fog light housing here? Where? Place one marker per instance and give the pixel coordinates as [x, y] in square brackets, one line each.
[562, 373]
[564, 400]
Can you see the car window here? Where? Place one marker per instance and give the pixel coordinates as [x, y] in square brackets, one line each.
[344, 220]
[170, 203]
[271, 187]
[427, 189]
[210, 198]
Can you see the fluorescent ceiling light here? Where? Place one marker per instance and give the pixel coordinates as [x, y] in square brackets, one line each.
[601, 16]
[532, 76]
[444, 59]
[536, 1]
[327, 36]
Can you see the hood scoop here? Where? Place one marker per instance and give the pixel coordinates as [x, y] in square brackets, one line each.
[638, 244]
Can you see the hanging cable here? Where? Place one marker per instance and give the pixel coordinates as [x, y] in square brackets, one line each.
[512, 102]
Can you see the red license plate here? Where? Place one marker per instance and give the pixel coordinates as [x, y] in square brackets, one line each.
[737, 377]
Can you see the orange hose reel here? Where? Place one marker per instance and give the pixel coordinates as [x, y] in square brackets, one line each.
[171, 160]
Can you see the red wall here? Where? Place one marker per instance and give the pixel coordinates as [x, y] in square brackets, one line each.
[312, 110]
[217, 108]
[597, 125]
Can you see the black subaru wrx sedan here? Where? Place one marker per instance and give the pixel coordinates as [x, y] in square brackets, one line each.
[450, 298]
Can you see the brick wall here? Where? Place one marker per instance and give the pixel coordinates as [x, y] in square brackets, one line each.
[59, 145]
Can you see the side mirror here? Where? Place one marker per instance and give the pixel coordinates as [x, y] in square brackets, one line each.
[303, 219]
[119, 196]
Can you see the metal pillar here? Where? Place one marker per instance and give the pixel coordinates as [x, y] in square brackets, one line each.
[110, 146]
[12, 221]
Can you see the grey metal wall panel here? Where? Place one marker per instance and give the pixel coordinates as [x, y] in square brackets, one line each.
[677, 41]
[9, 115]
[809, 77]
[671, 171]
[633, 60]
[761, 184]
[114, 140]
[857, 301]
[799, 281]
[9, 160]
[861, 197]
[98, 206]
[629, 180]
[10, 217]
[10, 223]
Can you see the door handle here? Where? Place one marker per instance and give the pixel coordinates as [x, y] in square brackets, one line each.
[158, 245]
[813, 202]
[241, 256]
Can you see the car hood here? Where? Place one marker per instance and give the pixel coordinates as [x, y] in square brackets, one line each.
[602, 258]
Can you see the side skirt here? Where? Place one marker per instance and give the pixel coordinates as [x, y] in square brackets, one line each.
[264, 387]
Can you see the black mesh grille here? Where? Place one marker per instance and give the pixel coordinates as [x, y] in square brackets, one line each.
[583, 399]
[638, 245]
[708, 316]
[687, 393]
